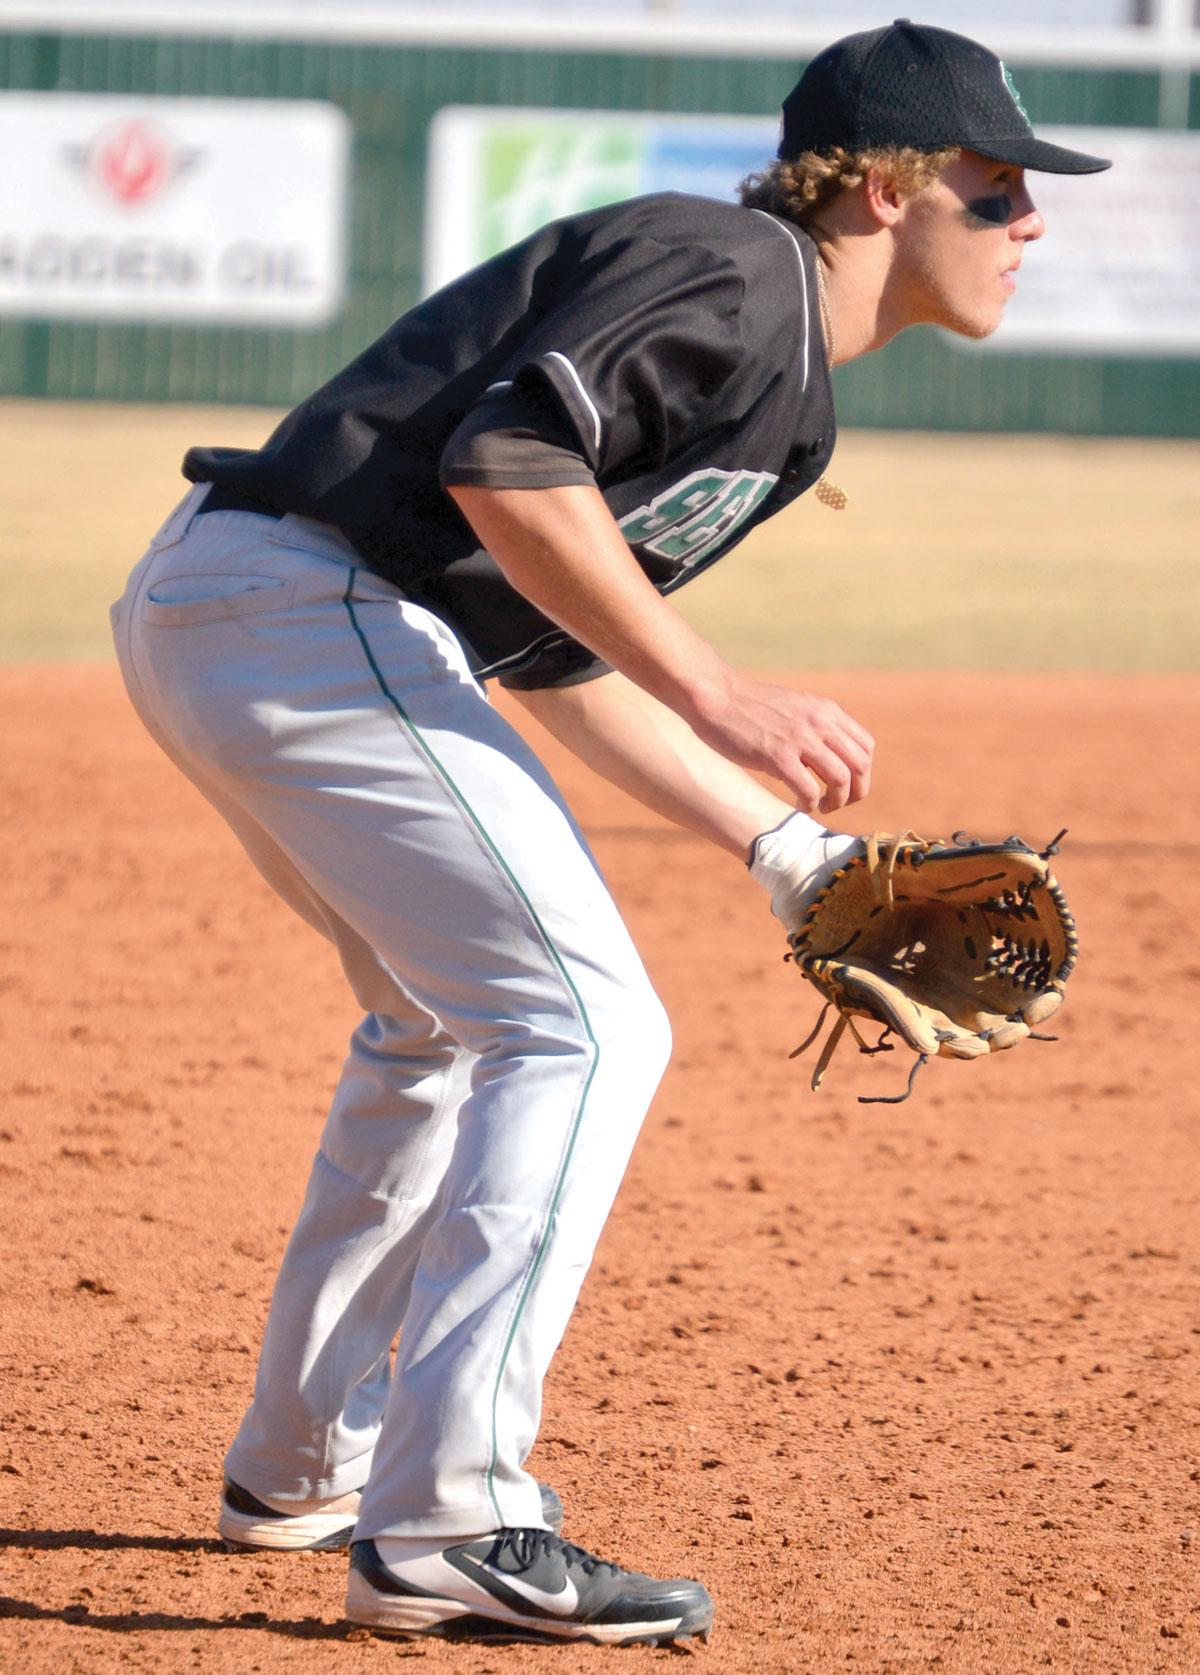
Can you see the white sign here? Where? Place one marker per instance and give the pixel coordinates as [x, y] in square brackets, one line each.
[114, 207]
[1118, 271]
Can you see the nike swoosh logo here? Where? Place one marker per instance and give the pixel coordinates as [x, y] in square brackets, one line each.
[561, 1604]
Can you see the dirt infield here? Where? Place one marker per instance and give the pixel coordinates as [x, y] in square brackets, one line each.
[909, 1389]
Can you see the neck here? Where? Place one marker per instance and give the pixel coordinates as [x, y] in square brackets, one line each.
[856, 283]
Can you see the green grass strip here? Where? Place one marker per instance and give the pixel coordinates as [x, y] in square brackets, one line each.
[560, 1180]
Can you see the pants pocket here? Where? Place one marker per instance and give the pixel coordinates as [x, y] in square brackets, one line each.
[184, 601]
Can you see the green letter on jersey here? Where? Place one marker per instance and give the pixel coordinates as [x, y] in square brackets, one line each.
[686, 522]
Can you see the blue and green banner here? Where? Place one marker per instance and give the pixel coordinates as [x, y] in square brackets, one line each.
[497, 174]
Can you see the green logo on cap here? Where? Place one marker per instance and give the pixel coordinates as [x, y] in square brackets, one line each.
[1012, 88]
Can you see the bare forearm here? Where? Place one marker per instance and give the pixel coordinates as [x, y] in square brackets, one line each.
[638, 744]
[562, 549]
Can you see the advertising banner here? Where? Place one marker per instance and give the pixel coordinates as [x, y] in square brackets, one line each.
[1118, 271]
[205, 210]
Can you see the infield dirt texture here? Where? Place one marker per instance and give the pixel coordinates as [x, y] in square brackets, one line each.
[909, 1388]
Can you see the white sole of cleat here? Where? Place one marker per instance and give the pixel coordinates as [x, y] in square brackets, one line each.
[315, 1532]
[393, 1614]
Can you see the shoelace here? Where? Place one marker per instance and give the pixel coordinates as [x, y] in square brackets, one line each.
[528, 1546]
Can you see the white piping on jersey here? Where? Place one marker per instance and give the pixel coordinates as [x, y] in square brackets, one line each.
[795, 244]
[554, 355]
[516, 659]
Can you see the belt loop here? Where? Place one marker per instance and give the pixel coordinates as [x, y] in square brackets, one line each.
[179, 520]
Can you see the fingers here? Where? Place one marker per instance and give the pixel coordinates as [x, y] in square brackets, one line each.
[820, 753]
[804, 786]
[835, 774]
[840, 752]
[856, 731]
[822, 780]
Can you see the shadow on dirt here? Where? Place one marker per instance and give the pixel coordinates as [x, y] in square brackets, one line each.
[80, 1615]
[50, 1541]
[134, 1622]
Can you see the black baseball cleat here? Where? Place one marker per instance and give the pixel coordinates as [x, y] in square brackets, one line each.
[251, 1525]
[522, 1585]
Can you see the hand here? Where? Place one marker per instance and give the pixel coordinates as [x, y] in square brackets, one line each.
[819, 752]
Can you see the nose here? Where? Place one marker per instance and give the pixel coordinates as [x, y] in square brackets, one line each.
[1027, 223]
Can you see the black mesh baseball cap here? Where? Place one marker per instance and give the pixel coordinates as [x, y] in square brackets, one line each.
[912, 85]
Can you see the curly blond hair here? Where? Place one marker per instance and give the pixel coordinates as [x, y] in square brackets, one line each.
[799, 190]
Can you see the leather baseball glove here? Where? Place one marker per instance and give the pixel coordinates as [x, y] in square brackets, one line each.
[959, 948]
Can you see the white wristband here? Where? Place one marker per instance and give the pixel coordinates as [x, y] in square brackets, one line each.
[794, 861]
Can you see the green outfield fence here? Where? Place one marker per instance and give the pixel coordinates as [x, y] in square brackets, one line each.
[390, 93]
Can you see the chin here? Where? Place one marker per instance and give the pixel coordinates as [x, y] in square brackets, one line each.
[973, 325]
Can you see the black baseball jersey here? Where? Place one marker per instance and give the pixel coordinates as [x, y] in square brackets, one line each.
[681, 340]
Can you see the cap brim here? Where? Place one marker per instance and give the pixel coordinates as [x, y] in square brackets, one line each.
[1030, 153]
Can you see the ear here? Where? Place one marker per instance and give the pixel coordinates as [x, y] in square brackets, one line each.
[884, 199]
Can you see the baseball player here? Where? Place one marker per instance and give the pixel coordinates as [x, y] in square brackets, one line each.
[508, 486]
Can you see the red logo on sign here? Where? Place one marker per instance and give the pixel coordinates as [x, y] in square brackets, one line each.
[132, 161]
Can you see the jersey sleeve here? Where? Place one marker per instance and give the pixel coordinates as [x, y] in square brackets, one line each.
[514, 439]
[636, 350]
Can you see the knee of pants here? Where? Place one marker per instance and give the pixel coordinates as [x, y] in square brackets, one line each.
[639, 1031]
[656, 1029]
[617, 1030]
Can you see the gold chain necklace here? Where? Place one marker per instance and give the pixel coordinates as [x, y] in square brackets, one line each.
[827, 492]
